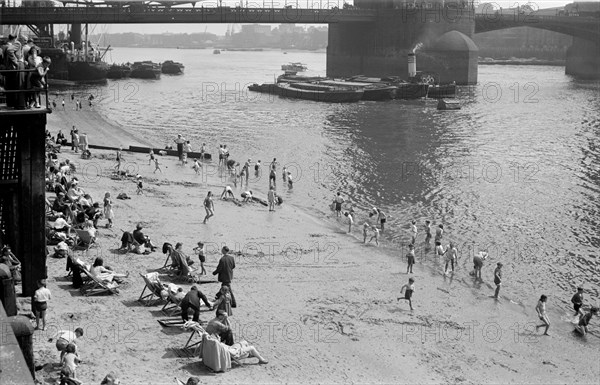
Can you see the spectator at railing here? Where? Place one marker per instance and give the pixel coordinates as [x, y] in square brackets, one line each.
[14, 81]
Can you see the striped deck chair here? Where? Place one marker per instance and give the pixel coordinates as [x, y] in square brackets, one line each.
[95, 287]
[154, 287]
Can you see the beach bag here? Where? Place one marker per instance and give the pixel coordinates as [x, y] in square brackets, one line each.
[215, 355]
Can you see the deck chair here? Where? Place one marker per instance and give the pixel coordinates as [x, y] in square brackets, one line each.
[95, 286]
[171, 307]
[197, 331]
[84, 239]
[154, 287]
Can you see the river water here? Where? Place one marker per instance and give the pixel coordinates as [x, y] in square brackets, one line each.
[515, 172]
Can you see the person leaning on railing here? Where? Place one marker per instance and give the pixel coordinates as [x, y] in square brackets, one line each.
[38, 79]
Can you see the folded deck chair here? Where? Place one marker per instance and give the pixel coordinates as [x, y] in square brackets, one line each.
[154, 287]
[95, 286]
[84, 239]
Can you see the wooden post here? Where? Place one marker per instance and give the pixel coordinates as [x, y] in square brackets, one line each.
[7, 296]
[15, 368]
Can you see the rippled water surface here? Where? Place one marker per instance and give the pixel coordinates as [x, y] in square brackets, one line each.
[514, 172]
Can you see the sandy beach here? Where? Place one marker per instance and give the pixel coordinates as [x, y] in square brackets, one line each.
[315, 301]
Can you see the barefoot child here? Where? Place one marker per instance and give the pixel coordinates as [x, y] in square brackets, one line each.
[577, 301]
[350, 221]
[410, 257]
[196, 167]
[157, 166]
[413, 232]
[40, 304]
[151, 159]
[375, 235]
[202, 257]
[541, 311]
[410, 288]
[140, 185]
[427, 231]
[108, 211]
[365, 232]
[69, 362]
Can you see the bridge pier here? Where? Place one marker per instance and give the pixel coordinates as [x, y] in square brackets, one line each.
[583, 59]
[381, 48]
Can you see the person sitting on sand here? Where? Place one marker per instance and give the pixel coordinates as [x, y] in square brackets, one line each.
[584, 321]
[227, 191]
[142, 239]
[247, 195]
[104, 274]
[243, 349]
[220, 326]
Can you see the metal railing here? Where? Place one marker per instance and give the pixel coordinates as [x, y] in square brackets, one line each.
[14, 94]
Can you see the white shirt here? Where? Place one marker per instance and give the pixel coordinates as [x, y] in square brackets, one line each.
[69, 336]
[60, 223]
[42, 295]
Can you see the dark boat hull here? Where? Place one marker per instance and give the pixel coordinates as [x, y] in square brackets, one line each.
[411, 90]
[172, 68]
[345, 96]
[379, 94]
[144, 74]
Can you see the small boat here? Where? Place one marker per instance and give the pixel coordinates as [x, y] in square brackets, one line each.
[172, 68]
[118, 71]
[320, 92]
[145, 70]
[217, 52]
[442, 91]
[294, 67]
[448, 104]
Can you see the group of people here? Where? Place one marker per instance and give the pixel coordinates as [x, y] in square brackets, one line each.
[27, 59]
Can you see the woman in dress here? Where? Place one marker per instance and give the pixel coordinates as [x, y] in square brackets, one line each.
[108, 211]
[102, 273]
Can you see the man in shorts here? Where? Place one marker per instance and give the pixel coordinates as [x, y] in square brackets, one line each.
[577, 301]
[338, 204]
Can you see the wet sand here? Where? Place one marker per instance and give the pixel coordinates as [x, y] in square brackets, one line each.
[315, 301]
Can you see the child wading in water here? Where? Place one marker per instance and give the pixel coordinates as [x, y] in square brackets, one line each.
[410, 288]
[365, 232]
[157, 166]
[40, 304]
[410, 257]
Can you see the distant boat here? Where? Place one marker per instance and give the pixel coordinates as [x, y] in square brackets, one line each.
[118, 71]
[172, 68]
[294, 67]
[217, 52]
[145, 70]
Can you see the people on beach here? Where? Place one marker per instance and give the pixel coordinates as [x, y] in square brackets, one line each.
[200, 250]
[246, 169]
[584, 320]
[221, 327]
[150, 157]
[381, 218]
[408, 290]
[63, 104]
[227, 192]
[350, 221]
[413, 232]
[375, 235]
[180, 141]
[224, 271]
[209, 206]
[271, 198]
[69, 365]
[365, 231]
[157, 166]
[451, 257]
[76, 141]
[66, 337]
[72, 133]
[577, 301]
[141, 238]
[541, 311]
[223, 300]
[257, 169]
[272, 178]
[439, 233]
[498, 279]
[196, 166]
[140, 185]
[108, 211]
[427, 232]
[247, 195]
[192, 301]
[289, 180]
[410, 258]
[202, 151]
[338, 200]
[187, 148]
[119, 159]
[40, 304]
[284, 174]
[439, 249]
[243, 349]
[102, 273]
[478, 264]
